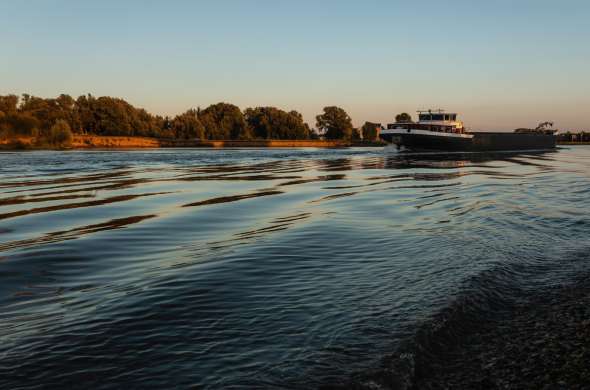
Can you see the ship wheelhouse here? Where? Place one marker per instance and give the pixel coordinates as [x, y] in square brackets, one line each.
[441, 117]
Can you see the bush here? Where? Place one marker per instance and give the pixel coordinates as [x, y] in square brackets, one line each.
[60, 134]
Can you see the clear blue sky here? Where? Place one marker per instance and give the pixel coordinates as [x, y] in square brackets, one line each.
[502, 64]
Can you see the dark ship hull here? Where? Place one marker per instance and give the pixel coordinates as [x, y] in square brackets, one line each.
[479, 142]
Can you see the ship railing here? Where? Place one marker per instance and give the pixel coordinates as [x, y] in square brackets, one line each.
[422, 126]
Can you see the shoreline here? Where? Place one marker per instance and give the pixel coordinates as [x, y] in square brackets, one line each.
[85, 142]
[572, 143]
[82, 142]
[542, 341]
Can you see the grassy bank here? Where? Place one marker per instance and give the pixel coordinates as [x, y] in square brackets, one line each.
[106, 142]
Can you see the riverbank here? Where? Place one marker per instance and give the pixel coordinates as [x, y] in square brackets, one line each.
[540, 342]
[544, 343]
[121, 142]
[83, 142]
[106, 142]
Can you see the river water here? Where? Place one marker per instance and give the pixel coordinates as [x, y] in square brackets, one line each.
[266, 268]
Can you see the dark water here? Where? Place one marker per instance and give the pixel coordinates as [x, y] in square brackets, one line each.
[265, 268]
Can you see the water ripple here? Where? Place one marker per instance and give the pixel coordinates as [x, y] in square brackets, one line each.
[270, 268]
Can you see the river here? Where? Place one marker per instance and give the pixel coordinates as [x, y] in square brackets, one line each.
[266, 268]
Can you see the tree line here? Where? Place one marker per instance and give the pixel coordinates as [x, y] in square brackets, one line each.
[582, 136]
[56, 120]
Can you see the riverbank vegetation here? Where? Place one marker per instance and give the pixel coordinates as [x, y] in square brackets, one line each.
[568, 137]
[53, 122]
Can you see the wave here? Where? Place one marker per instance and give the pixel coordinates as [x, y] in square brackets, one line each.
[75, 233]
[67, 206]
[232, 198]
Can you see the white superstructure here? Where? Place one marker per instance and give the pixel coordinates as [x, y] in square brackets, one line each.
[430, 122]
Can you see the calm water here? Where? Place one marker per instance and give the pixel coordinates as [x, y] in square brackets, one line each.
[265, 268]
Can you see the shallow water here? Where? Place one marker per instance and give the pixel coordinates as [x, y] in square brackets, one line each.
[258, 268]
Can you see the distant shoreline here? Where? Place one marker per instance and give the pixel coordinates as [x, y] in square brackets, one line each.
[572, 143]
[82, 142]
[122, 142]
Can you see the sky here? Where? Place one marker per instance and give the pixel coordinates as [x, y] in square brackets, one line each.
[500, 64]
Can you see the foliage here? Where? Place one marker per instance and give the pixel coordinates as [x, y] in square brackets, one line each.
[60, 134]
[370, 131]
[273, 123]
[188, 126]
[112, 116]
[8, 103]
[403, 117]
[335, 123]
[224, 121]
[31, 116]
[19, 124]
[568, 136]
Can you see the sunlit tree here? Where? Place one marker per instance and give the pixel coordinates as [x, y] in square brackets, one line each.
[188, 126]
[335, 123]
[224, 121]
[273, 123]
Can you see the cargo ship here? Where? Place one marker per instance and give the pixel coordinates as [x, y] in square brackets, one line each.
[438, 130]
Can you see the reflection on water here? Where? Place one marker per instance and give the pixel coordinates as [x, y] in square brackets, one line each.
[264, 268]
[232, 198]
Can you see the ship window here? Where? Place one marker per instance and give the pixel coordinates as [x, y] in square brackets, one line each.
[454, 117]
[447, 117]
[424, 117]
[437, 117]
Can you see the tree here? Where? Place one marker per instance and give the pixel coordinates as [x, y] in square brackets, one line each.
[4, 130]
[370, 131]
[108, 116]
[403, 117]
[112, 116]
[20, 123]
[8, 103]
[65, 102]
[188, 126]
[224, 121]
[273, 123]
[60, 133]
[300, 129]
[335, 123]
[102, 116]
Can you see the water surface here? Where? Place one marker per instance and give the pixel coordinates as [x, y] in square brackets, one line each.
[258, 268]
